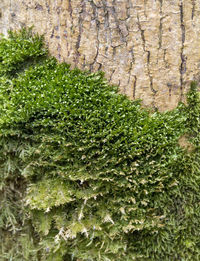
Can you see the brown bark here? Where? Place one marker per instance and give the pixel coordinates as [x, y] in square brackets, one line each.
[150, 48]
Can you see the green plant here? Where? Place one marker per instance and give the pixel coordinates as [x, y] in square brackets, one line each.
[87, 174]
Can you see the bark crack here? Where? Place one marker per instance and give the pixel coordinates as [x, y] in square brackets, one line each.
[149, 73]
[134, 86]
[145, 8]
[70, 8]
[193, 8]
[169, 85]
[106, 24]
[161, 24]
[129, 72]
[164, 58]
[80, 30]
[95, 15]
[113, 71]
[113, 11]
[142, 33]
[183, 58]
[148, 59]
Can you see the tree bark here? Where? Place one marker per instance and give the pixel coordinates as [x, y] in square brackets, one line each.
[150, 48]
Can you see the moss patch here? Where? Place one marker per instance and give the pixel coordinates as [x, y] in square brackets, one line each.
[87, 174]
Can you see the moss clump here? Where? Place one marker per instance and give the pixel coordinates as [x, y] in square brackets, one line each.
[87, 174]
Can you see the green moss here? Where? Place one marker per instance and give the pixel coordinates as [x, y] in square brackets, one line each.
[87, 174]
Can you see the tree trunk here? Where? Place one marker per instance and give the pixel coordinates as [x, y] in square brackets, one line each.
[150, 48]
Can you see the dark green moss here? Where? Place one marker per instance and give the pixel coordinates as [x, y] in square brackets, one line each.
[87, 174]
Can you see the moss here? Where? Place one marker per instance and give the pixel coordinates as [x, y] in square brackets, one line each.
[90, 174]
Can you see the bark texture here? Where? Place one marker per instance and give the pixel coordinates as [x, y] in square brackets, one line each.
[150, 48]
